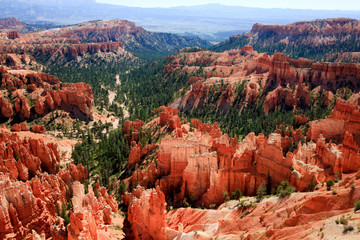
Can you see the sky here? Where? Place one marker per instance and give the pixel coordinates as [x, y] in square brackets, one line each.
[295, 4]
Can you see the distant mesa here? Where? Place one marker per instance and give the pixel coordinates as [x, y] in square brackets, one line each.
[11, 23]
[310, 39]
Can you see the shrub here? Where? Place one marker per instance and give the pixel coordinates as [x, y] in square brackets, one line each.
[343, 220]
[285, 189]
[212, 206]
[261, 191]
[312, 184]
[357, 206]
[352, 186]
[329, 184]
[226, 196]
[193, 197]
[334, 192]
[185, 203]
[64, 214]
[245, 204]
[348, 229]
[237, 194]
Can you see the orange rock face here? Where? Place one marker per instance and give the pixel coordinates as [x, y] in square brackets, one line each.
[279, 82]
[75, 98]
[273, 218]
[131, 130]
[146, 213]
[38, 129]
[169, 115]
[6, 108]
[201, 168]
[135, 154]
[33, 191]
[16, 128]
[204, 165]
[22, 107]
[196, 97]
[89, 212]
[24, 127]
[344, 118]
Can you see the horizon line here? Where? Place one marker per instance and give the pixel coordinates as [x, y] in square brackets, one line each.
[226, 5]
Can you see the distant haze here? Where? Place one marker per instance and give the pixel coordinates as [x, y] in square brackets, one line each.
[304, 4]
[212, 21]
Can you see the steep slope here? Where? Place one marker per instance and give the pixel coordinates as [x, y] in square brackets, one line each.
[37, 198]
[135, 38]
[203, 167]
[259, 88]
[311, 39]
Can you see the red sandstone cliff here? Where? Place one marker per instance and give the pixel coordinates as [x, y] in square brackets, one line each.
[47, 92]
[33, 190]
[205, 163]
[285, 83]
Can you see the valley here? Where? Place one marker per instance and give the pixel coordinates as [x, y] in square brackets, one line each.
[111, 131]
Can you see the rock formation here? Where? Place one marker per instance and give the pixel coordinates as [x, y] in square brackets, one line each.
[6, 108]
[13, 35]
[202, 167]
[199, 168]
[146, 213]
[76, 98]
[11, 23]
[34, 191]
[285, 83]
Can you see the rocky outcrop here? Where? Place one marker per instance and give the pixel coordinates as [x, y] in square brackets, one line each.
[38, 129]
[275, 218]
[22, 107]
[327, 27]
[45, 94]
[131, 130]
[169, 115]
[226, 99]
[34, 193]
[28, 207]
[77, 97]
[135, 154]
[6, 108]
[146, 213]
[73, 51]
[89, 212]
[202, 167]
[16, 128]
[13, 35]
[195, 98]
[278, 98]
[74, 98]
[344, 118]
[24, 127]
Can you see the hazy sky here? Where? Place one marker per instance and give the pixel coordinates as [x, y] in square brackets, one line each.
[297, 4]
